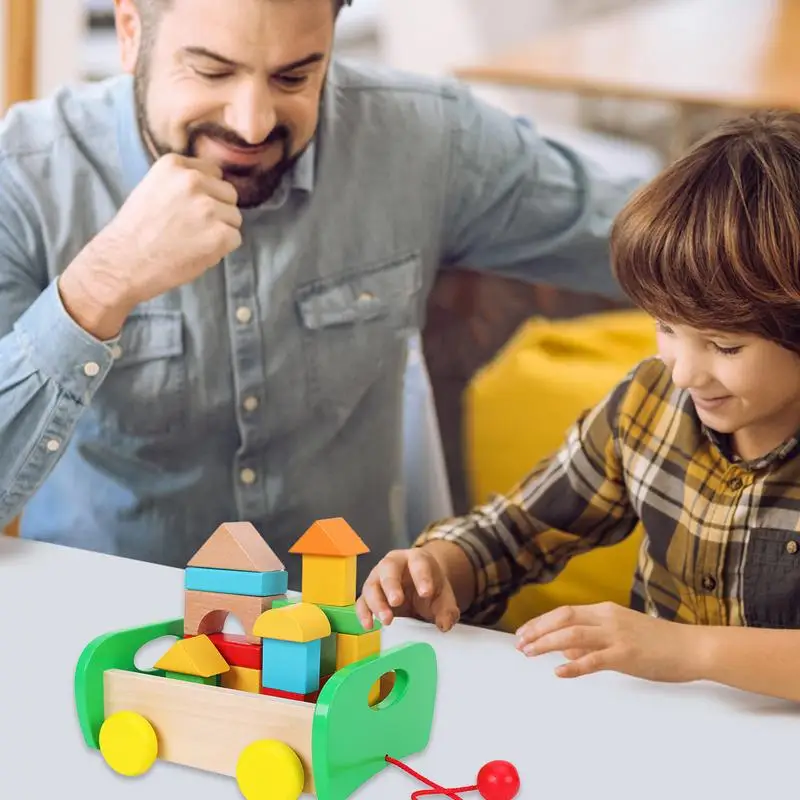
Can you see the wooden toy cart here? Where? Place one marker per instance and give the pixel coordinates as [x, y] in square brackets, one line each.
[276, 748]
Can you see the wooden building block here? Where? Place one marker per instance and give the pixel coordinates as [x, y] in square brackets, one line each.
[329, 579]
[343, 619]
[211, 680]
[354, 647]
[236, 581]
[242, 678]
[387, 682]
[328, 655]
[312, 697]
[237, 651]
[291, 666]
[206, 612]
[208, 727]
[299, 622]
[196, 655]
[329, 537]
[239, 546]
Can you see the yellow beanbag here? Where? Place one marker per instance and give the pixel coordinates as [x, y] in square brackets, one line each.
[518, 409]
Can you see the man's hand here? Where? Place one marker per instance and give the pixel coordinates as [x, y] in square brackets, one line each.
[408, 583]
[178, 222]
[607, 636]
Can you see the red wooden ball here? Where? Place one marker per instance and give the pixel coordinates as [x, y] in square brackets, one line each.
[498, 780]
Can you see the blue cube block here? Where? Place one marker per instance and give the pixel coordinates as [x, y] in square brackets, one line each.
[233, 581]
[291, 666]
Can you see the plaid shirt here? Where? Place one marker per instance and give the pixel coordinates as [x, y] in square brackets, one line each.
[722, 536]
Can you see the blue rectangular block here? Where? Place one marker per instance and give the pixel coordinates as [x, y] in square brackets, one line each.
[233, 581]
[291, 666]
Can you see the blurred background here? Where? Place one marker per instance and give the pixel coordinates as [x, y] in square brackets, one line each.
[631, 83]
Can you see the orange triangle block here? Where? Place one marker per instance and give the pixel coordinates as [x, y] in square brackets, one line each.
[237, 546]
[330, 537]
[196, 655]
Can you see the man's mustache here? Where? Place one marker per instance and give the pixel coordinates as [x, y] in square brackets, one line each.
[225, 135]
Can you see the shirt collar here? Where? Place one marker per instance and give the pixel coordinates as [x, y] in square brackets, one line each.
[724, 443]
[135, 161]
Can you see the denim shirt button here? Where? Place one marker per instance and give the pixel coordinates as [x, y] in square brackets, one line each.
[791, 547]
[248, 476]
[244, 314]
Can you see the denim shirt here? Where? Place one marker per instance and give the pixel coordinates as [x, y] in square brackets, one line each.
[271, 388]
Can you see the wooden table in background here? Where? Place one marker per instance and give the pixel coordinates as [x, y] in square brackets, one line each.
[20, 78]
[697, 54]
[20, 51]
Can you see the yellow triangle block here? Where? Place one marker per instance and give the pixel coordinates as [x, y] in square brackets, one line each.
[196, 655]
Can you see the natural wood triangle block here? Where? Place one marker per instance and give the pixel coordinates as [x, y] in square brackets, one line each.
[237, 546]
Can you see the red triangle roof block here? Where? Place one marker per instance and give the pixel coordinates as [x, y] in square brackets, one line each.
[330, 537]
[239, 546]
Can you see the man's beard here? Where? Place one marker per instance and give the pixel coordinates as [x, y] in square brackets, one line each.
[254, 184]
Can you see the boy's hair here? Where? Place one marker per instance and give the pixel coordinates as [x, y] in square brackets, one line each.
[713, 242]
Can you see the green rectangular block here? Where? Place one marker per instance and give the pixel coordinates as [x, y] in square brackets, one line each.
[179, 676]
[328, 655]
[343, 619]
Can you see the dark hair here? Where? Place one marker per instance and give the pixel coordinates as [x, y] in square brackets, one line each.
[152, 9]
[713, 242]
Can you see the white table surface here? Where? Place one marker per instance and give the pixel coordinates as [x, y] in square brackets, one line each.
[603, 736]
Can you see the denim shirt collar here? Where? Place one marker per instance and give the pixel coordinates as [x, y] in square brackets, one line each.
[135, 160]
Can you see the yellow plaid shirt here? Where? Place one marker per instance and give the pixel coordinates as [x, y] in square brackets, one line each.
[722, 536]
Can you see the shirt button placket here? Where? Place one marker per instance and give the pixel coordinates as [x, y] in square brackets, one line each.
[709, 583]
[248, 360]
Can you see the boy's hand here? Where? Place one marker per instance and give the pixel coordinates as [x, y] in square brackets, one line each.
[606, 636]
[408, 583]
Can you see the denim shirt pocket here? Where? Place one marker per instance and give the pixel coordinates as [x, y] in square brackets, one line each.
[351, 324]
[771, 579]
[144, 394]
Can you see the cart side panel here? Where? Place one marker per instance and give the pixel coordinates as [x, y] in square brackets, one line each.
[351, 739]
[208, 727]
[115, 650]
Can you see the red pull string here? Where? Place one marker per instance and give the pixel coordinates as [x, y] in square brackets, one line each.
[435, 788]
[422, 792]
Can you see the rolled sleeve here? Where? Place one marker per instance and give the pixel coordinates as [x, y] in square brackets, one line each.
[60, 349]
[487, 606]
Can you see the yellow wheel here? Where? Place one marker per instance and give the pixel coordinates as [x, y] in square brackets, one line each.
[128, 743]
[270, 770]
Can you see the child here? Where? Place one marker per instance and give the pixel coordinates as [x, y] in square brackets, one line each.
[700, 445]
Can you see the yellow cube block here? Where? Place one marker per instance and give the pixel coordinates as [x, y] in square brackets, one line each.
[245, 679]
[352, 647]
[329, 580]
[374, 693]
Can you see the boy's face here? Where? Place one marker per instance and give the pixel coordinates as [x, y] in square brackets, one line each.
[741, 384]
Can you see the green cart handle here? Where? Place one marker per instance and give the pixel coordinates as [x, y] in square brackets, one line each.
[351, 739]
[115, 650]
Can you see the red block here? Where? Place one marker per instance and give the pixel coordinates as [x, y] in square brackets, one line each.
[312, 697]
[306, 698]
[236, 650]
